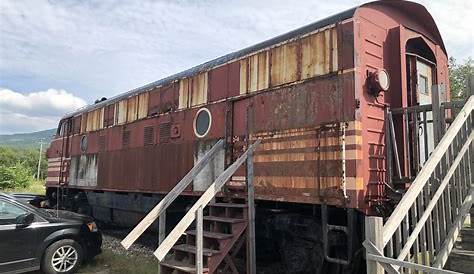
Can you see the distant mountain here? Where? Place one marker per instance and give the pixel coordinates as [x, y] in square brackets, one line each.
[31, 140]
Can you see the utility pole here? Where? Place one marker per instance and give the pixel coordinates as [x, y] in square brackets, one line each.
[39, 160]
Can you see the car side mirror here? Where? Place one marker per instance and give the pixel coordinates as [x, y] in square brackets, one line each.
[24, 220]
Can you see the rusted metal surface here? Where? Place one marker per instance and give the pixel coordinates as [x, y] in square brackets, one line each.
[142, 105]
[193, 91]
[132, 109]
[304, 93]
[121, 111]
[164, 99]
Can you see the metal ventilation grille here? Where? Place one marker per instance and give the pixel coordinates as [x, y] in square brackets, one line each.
[102, 143]
[126, 138]
[165, 132]
[148, 135]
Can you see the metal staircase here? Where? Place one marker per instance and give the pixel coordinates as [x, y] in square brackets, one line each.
[215, 237]
[421, 232]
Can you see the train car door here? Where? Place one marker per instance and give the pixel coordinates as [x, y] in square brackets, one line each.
[424, 85]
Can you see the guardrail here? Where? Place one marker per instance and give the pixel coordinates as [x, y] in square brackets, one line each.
[421, 231]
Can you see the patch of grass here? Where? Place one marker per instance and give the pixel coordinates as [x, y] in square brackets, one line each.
[35, 187]
[109, 262]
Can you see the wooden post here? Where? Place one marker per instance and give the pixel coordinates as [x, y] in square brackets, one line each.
[162, 227]
[199, 240]
[251, 254]
[373, 233]
[161, 231]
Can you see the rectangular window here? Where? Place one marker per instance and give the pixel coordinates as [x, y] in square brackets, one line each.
[423, 84]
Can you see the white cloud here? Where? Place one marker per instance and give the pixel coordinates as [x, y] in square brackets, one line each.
[102, 48]
[36, 110]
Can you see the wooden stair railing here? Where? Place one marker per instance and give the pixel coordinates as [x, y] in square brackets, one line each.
[441, 192]
[196, 212]
[159, 210]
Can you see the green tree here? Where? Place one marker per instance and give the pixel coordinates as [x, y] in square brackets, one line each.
[459, 77]
[19, 166]
[15, 176]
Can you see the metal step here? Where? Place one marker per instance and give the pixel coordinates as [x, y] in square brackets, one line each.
[182, 266]
[192, 249]
[223, 219]
[213, 235]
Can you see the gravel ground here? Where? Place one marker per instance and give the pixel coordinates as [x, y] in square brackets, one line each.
[143, 247]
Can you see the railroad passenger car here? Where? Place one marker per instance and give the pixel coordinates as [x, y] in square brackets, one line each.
[315, 96]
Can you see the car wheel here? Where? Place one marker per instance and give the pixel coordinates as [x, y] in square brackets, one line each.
[64, 256]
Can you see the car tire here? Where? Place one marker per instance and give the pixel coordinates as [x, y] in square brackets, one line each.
[62, 257]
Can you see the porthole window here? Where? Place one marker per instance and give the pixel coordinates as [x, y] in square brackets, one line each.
[202, 122]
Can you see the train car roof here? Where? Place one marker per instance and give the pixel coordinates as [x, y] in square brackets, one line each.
[406, 6]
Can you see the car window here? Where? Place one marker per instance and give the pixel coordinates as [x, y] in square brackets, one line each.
[9, 212]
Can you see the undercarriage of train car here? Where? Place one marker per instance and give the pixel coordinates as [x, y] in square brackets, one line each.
[290, 237]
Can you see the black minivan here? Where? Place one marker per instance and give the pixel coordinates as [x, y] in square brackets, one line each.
[54, 241]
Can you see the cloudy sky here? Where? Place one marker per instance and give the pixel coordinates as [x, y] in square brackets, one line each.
[58, 55]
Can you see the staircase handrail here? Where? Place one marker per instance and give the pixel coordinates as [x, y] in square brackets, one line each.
[407, 201]
[171, 196]
[208, 195]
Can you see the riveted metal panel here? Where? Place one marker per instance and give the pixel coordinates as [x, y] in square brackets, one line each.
[142, 105]
[244, 67]
[101, 118]
[83, 122]
[193, 91]
[132, 109]
[199, 89]
[121, 112]
[218, 83]
[94, 119]
[254, 73]
[184, 87]
[150, 168]
[284, 64]
[163, 99]
[76, 124]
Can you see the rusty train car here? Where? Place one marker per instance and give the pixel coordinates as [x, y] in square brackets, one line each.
[315, 96]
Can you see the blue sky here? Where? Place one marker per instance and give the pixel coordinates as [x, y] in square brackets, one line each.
[56, 56]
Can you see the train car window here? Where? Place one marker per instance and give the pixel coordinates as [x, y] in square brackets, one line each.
[423, 84]
[202, 122]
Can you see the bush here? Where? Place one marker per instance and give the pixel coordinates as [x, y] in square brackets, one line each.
[10, 157]
[16, 176]
[18, 167]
